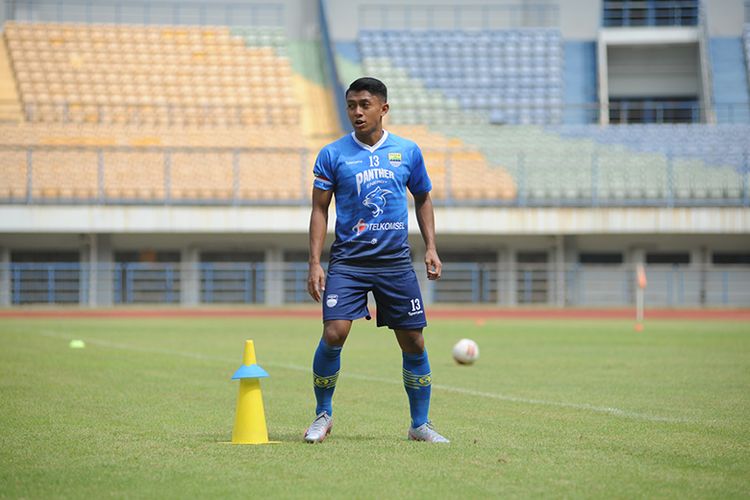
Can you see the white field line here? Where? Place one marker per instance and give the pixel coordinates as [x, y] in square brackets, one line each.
[458, 390]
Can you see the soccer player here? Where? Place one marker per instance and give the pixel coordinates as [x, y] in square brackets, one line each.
[369, 172]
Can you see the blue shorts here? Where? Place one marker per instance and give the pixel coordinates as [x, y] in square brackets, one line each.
[396, 292]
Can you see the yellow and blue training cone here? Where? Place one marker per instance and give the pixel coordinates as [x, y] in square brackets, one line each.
[250, 420]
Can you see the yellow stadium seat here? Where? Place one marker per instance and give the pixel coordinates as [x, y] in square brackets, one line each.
[13, 174]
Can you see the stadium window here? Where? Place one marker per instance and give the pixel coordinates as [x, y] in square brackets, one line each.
[601, 258]
[654, 110]
[232, 277]
[303, 255]
[147, 256]
[147, 276]
[649, 13]
[730, 258]
[674, 258]
[28, 256]
[475, 257]
[532, 278]
[45, 277]
[232, 257]
[531, 257]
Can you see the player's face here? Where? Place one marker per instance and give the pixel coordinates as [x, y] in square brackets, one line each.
[365, 111]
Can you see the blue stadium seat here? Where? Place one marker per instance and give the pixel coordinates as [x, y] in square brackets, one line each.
[523, 63]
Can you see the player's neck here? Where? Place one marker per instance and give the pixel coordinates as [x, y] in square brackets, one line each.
[370, 138]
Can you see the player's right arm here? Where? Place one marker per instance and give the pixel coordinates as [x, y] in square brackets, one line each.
[316, 277]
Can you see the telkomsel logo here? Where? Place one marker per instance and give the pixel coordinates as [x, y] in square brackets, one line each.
[360, 227]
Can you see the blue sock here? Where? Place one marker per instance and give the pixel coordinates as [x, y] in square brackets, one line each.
[418, 385]
[326, 364]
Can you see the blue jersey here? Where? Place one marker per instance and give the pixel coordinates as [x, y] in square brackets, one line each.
[369, 184]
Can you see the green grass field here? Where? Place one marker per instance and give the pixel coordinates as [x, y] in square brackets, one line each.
[552, 409]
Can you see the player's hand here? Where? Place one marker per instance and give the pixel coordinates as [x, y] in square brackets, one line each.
[316, 281]
[433, 264]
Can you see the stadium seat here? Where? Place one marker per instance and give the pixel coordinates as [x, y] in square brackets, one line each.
[470, 66]
[144, 86]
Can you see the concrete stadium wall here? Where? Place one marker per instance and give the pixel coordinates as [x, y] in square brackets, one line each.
[725, 17]
[73, 219]
[579, 19]
[300, 16]
[653, 71]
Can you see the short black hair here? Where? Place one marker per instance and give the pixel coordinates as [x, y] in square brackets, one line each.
[371, 85]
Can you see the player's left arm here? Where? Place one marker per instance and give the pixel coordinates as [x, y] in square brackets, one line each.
[426, 220]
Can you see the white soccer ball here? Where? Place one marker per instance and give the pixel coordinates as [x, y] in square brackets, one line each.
[465, 352]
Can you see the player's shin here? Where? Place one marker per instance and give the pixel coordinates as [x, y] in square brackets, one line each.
[418, 385]
[326, 365]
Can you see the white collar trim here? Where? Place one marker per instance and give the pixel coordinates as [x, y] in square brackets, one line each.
[375, 146]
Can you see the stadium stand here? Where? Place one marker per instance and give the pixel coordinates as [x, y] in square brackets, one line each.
[121, 89]
[471, 176]
[190, 105]
[746, 45]
[164, 75]
[569, 164]
[490, 91]
[506, 76]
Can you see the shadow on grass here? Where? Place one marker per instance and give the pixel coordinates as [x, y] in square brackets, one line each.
[292, 437]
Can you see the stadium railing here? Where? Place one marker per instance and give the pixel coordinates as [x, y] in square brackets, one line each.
[458, 16]
[588, 175]
[628, 13]
[573, 285]
[146, 12]
[154, 175]
[167, 115]
[511, 110]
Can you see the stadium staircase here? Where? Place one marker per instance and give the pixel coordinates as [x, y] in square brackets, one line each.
[10, 103]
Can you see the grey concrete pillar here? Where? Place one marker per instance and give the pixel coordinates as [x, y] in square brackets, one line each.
[703, 265]
[559, 269]
[509, 277]
[5, 295]
[101, 280]
[84, 259]
[274, 261]
[190, 277]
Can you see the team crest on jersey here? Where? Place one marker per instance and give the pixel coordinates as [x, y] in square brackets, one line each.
[375, 200]
[394, 159]
[332, 300]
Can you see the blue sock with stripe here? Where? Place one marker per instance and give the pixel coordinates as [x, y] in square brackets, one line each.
[326, 365]
[418, 385]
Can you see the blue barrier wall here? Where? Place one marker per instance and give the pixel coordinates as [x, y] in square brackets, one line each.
[462, 282]
[729, 80]
[579, 80]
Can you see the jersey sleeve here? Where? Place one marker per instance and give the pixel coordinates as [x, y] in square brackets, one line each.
[419, 182]
[323, 170]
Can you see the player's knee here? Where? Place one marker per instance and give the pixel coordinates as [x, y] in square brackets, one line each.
[411, 341]
[335, 334]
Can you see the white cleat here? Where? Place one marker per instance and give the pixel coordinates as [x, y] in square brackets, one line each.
[319, 429]
[425, 432]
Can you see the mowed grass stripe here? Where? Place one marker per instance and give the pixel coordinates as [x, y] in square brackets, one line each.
[458, 390]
